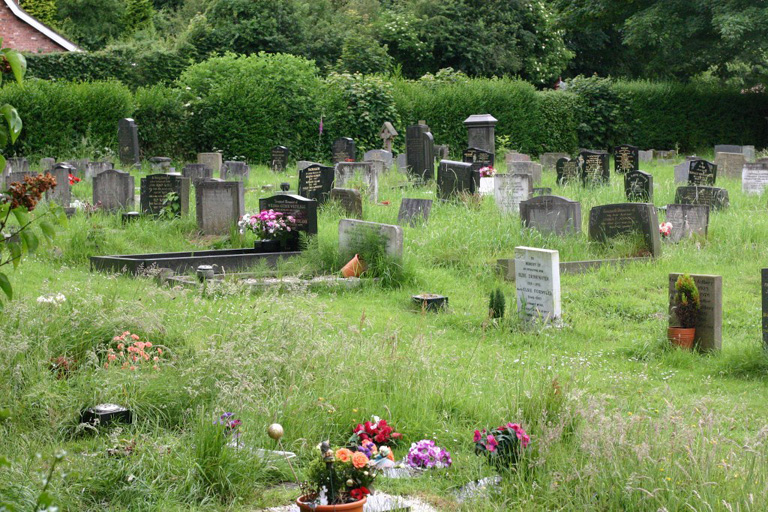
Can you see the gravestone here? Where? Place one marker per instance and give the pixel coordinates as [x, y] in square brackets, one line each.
[594, 168]
[548, 161]
[514, 156]
[348, 172]
[380, 155]
[240, 171]
[542, 191]
[316, 182]
[114, 190]
[567, 171]
[219, 205]
[62, 194]
[81, 166]
[479, 158]
[665, 156]
[93, 169]
[46, 164]
[420, 152]
[279, 161]
[687, 220]
[537, 283]
[212, 160]
[645, 156]
[414, 211]
[454, 178]
[155, 189]
[626, 158]
[625, 219]
[442, 151]
[353, 237]
[160, 163]
[350, 200]
[764, 275]
[531, 168]
[715, 198]
[387, 135]
[481, 132]
[401, 161]
[509, 190]
[754, 178]
[344, 150]
[303, 164]
[16, 164]
[128, 140]
[638, 186]
[17, 177]
[730, 164]
[747, 151]
[551, 215]
[302, 209]
[197, 173]
[709, 328]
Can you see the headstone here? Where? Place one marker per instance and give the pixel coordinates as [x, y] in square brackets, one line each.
[114, 190]
[401, 162]
[626, 219]
[360, 173]
[638, 186]
[509, 190]
[645, 156]
[16, 164]
[420, 152]
[350, 200]
[549, 160]
[279, 161]
[344, 150]
[155, 189]
[160, 163]
[46, 164]
[514, 156]
[197, 173]
[17, 177]
[542, 191]
[212, 160]
[354, 235]
[128, 140]
[377, 167]
[567, 171]
[303, 164]
[481, 132]
[316, 182]
[454, 178]
[730, 164]
[232, 170]
[764, 275]
[531, 168]
[715, 198]
[537, 282]
[93, 169]
[687, 220]
[442, 151]
[62, 194]
[302, 209]
[709, 328]
[479, 158]
[626, 158]
[387, 135]
[682, 170]
[747, 151]
[754, 178]
[551, 215]
[380, 155]
[219, 205]
[665, 156]
[594, 168]
[414, 211]
[81, 167]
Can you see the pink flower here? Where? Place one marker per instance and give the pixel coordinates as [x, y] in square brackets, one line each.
[491, 443]
[148, 344]
[478, 436]
[134, 336]
[525, 440]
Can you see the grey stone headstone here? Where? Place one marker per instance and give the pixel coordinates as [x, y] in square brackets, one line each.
[81, 166]
[219, 205]
[414, 211]
[455, 178]
[727, 148]
[302, 209]
[212, 160]
[514, 156]
[442, 151]
[316, 182]
[16, 164]
[509, 190]
[664, 156]
[233, 170]
[551, 215]
[128, 140]
[154, 191]
[681, 172]
[638, 186]
[754, 178]
[687, 220]
[350, 200]
[568, 171]
[344, 150]
[62, 194]
[279, 158]
[481, 132]
[531, 168]
[303, 164]
[347, 172]
[197, 173]
[420, 152]
[354, 234]
[716, 198]
[17, 177]
[549, 160]
[645, 156]
[160, 163]
[401, 162]
[625, 219]
[626, 158]
[748, 152]
[93, 169]
[537, 283]
[594, 168]
[114, 189]
[730, 164]
[46, 164]
[709, 327]
[380, 155]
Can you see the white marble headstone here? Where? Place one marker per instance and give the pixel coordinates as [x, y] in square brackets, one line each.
[537, 279]
[510, 190]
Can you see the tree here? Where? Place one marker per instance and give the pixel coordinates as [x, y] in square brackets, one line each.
[92, 23]
[138, 15]
[43, 10]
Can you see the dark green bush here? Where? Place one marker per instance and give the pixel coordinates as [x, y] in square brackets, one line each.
[603, 117]
[163, 121]
[558, 114]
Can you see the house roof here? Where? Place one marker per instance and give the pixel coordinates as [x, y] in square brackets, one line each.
[42, 28]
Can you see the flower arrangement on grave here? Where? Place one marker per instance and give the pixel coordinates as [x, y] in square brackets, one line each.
[269, 225]
[336, 477]
[502, 446]
[487, 172]
[665, 229]
[230, 425]
[130, 353]
[426, 455]
[73, 179]
[377, 431]
[686, 307]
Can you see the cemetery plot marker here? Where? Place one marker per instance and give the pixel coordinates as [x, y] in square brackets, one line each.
[128, 139]
[454, 178]
[701, 173]
[709, 328]
[302, 209]
[155, 198]
[594, 168]
[354, 236]
[344, 150]
[537, 282]
[316, 182]
[626, 159]
[220, 204]
[279, 161]
[687, 220]
[510, 190]
[715, 198]
[621, 219]
[113, 189]
[351, 201]
[638, 186]
[414, 211]
[567, 171]
[420, 152]
[551, 214]
[754, 178]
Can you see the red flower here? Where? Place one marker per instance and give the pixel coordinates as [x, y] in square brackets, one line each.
[395, 435]
[73, 179]
[379, 438]
[359, 493]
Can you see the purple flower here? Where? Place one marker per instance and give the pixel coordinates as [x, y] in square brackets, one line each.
[425, 454]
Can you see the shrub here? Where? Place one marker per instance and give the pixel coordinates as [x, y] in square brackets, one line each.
[686, 304]
[162, 119]
[604, 120]
[497, 304]
[558, 114]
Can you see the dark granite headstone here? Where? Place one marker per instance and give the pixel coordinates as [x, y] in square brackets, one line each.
[420, 152]
[233, 170]
[638, 186]
[219, 205]
[155, 189]
[701, 172]
[128, 140]
[611, 220]
[626, 159]
[303, 210]
[344, 150]
[414, 211]
[567, 171]
[594, 168]
[350, 200]
[481, 132]
[551, 214]
[114, 189]
[479, 158]
[280, 155]
[197, 173]
[715, 198]
[454, 178]
[316, 182]
[687, 220]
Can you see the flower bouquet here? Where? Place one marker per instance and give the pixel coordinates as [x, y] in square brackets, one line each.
[503, 445]
[377, 431]
[271, 225]
[486, 180]
[665, 229]
[426, 455]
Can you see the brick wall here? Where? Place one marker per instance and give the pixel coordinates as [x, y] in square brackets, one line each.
[19, 35]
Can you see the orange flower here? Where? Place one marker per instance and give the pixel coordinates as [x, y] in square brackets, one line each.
[391, 456]
[359, 460]
[343, 454]
[148, 344]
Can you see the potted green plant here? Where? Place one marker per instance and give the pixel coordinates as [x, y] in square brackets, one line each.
[685, 312]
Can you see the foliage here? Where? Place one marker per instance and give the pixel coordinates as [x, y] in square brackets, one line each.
[340, 475]
[604, 112]
[138, 15]
[686, 304]
[361, 53]
[159, 111]
[497, 304]
[91, 23]
[43, 10]
[503, 446]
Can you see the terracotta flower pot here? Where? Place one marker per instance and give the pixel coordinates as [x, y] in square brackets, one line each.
[682, 337]
[354, 268]
[356, 506]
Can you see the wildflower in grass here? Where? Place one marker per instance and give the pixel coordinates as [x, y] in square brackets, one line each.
[55, 300]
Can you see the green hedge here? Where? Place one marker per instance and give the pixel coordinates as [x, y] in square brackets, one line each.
[164, 127]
